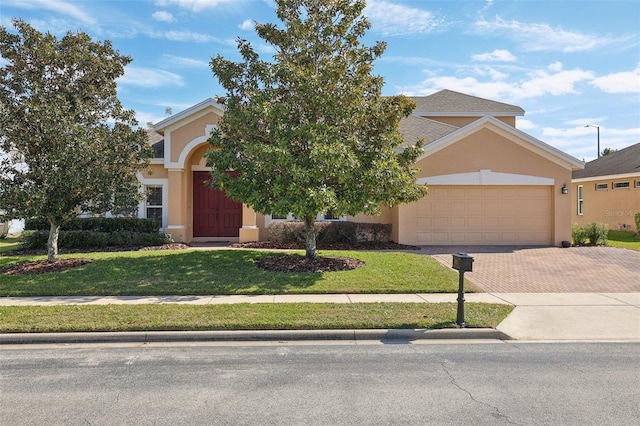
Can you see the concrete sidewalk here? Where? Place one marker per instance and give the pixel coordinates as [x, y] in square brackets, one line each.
[537, 316]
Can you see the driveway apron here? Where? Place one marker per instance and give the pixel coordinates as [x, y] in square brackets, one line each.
[505, 269]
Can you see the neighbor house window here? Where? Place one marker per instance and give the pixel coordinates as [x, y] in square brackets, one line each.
[620, 185]
[638, 184]
[602, 186]
[154, 202]
[580, 200]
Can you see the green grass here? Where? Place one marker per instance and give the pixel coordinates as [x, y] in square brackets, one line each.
[289, 316]
[191, 272]
[9, 243]
[624, 239]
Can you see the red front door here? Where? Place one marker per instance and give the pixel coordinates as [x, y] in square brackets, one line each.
[214, 214]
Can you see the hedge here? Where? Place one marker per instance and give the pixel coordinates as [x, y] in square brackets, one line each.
[97, 224]
[331, 232]
[90, 239]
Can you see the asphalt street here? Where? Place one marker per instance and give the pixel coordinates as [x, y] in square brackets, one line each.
[488, 383]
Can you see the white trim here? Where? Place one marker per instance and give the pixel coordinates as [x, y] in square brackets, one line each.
[485, 177]
[188, 113]
[290, 218]
[580, 200]
[176, 227]
[509, 132]
[156, 161]
[608, 177]
[185, 152]
[164, 183]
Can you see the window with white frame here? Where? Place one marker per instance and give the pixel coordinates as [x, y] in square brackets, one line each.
[580, 200]
[329, 216]
[153, 205]
[602, 186]
[620, 185]
[638, 184]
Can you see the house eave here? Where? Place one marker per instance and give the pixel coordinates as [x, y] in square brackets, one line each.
[187, 113]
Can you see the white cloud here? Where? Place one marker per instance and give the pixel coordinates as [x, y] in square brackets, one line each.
[392, 19]
[163, 16]
[539, 83]
[246, 25]
[620, 82]
[524, 124]
[149, 77]
[542, 37]
[185, 62]
[498, 55]
[193, 5]
[64, 8]
[183, 36]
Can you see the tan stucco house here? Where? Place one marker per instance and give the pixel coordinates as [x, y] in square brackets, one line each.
[607, 190]
[489, 183]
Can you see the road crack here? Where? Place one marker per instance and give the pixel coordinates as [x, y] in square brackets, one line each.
[496, 414]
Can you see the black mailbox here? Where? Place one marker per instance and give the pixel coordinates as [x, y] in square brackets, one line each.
[462, 262]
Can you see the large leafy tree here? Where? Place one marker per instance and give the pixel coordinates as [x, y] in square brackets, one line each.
[309, 131]
[69, 144]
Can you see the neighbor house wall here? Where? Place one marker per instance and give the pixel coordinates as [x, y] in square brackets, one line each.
[614, 207]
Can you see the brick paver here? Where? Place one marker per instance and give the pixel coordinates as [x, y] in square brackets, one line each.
[548, 269]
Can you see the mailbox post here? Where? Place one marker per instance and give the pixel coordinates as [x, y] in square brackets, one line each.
[462, 262]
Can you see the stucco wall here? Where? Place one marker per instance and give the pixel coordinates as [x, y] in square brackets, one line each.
[182, 135]
[615, 207]
[486, 149]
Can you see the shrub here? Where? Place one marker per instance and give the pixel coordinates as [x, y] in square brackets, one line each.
[597, 233]
[578, 235]
[331, 232]
[637, 223]
[92, 240]
[97, 224]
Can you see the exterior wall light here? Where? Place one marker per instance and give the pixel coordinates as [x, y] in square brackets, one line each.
[564, 189]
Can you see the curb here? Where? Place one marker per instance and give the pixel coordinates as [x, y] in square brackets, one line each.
[399, 335]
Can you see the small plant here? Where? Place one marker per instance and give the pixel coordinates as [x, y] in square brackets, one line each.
[597, 232]
[578, 235]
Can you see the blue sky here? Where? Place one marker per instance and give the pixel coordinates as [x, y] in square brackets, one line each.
[567, 63]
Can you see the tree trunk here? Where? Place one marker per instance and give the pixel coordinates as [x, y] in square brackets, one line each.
[310, 234]
[52, 244]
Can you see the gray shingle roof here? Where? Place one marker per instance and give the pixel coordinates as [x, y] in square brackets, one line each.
[156, 140]
[626, 160]
[414, 128]
[455, 103]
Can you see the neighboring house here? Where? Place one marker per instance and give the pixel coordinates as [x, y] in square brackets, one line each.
[489, 183]
[607, 190]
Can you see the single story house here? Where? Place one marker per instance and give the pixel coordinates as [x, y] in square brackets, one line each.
[607, 190]
[489, 183]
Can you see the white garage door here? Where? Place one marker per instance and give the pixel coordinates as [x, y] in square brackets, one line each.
[485, 215]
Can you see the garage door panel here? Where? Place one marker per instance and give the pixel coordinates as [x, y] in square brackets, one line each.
[485, 215]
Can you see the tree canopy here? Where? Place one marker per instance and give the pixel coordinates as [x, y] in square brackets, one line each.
[68, 142]
[308, 131]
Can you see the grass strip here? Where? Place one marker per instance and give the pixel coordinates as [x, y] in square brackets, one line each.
[623, 239]
[205, 272]
[265, 316]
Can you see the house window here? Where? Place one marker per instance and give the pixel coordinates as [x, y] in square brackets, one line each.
[580, 200]
[602, 186]
[154, 202]
[637, 184]
[620, 185]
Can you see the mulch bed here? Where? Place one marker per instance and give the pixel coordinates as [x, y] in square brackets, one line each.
[373, 245]
[43, 266]
[297, 263]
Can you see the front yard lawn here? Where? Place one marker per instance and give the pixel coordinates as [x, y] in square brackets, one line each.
[204, 272]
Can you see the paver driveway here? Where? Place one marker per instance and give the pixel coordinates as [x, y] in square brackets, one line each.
[504, 269]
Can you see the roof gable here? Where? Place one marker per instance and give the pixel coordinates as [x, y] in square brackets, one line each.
[189, 114]
[450, 103]
[511, 133]
[624, 161]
